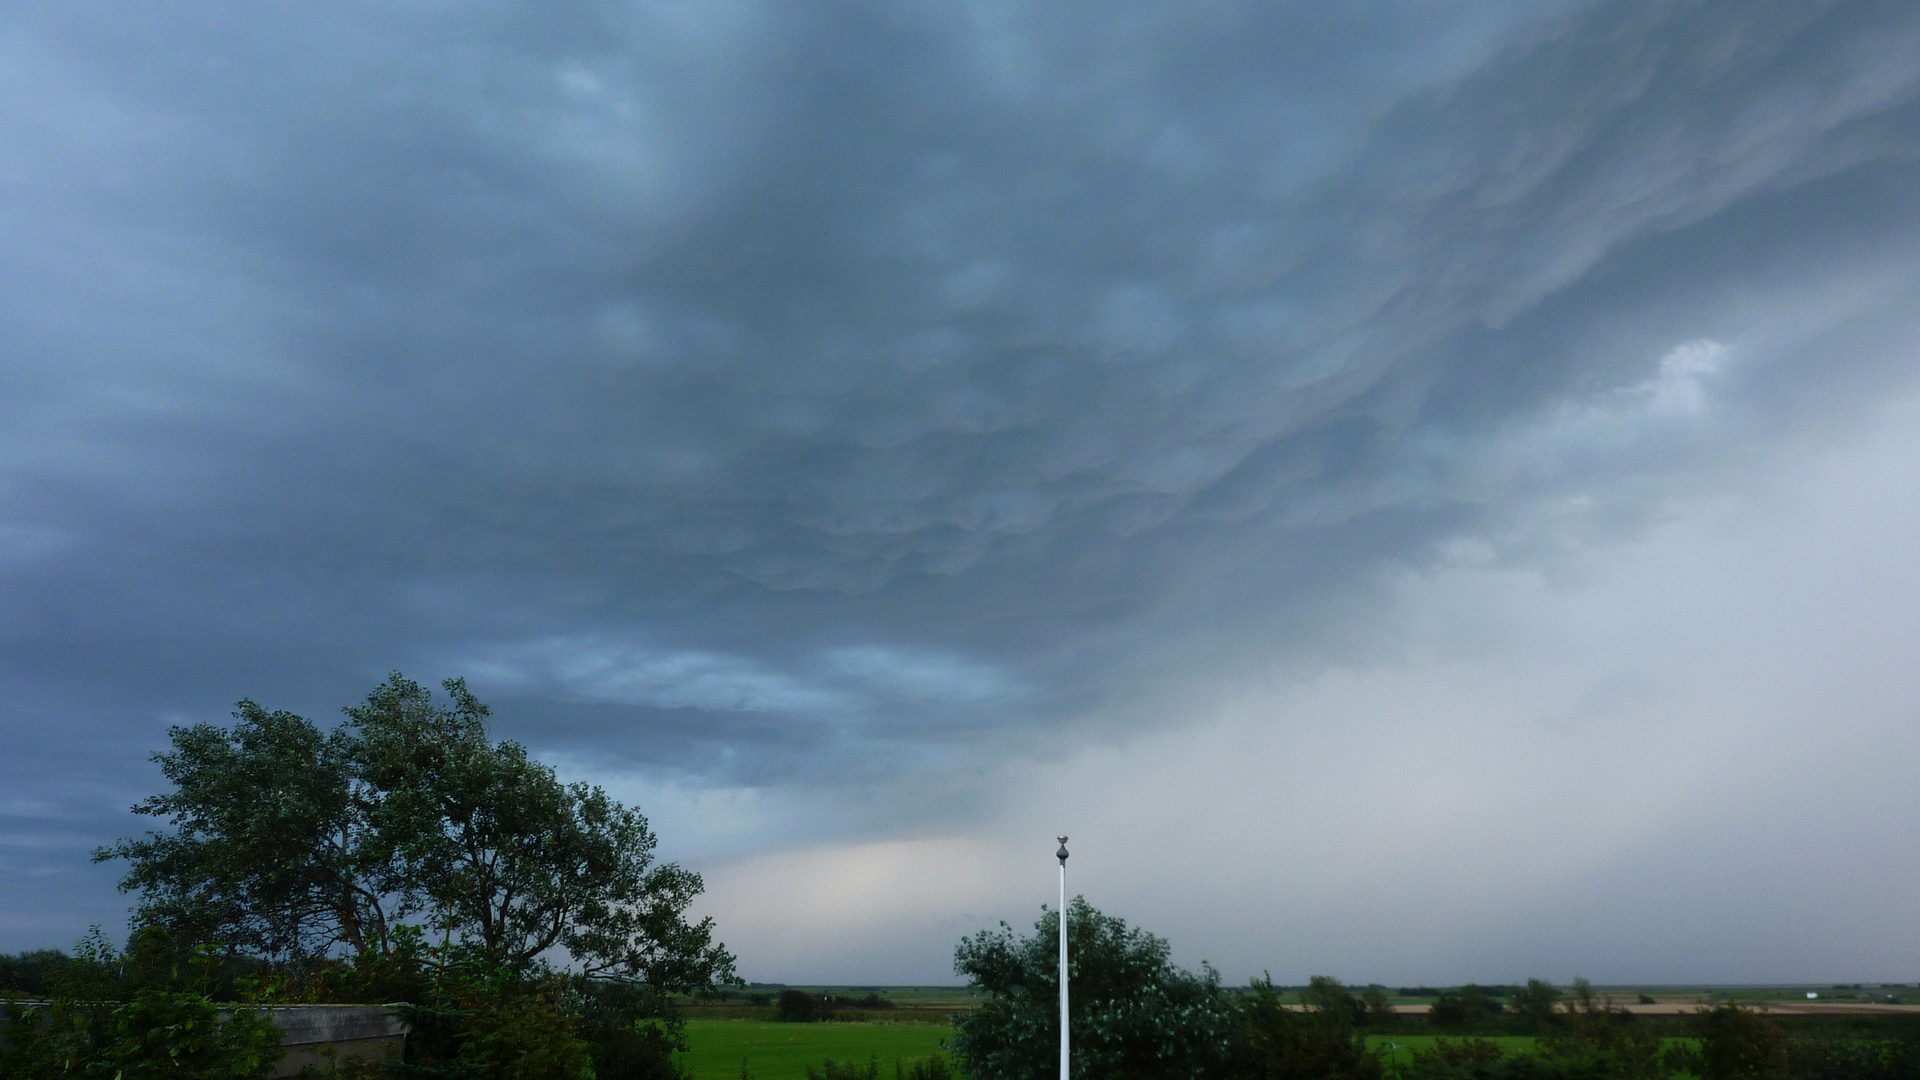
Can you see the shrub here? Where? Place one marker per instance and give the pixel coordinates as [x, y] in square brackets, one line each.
[1325, 994]
[522, 1037]
[631, 1032]
[1277, 1043]
[798, 1006]
[160, 1033]
[1595, 1039]
[932, 1068]
[1739, 1044]
[1470, 1005]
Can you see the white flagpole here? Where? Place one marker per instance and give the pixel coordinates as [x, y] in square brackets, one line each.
[1062, 853]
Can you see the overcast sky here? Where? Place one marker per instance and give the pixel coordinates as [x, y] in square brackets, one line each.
[1418, 491]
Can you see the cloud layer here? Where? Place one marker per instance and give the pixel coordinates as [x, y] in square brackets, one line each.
[819, 423]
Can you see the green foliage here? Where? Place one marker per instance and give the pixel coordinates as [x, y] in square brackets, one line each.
[1535, 1006]
[1471, 1006]
[931, 1068]
[632, 1032]
[1585, 1039]
[139, 1015]
[520, 1036]
[1378, 1006]
[160, 1033]
[292, 843]
[407, 856]
[1854, 1058]
[797, 1007]
[1278, 1043]
[1740, 1044]
[493, 1028]
[1327, 996]
[270, 850]
[1597, 1039]
[1135, 1015]
[30, 974]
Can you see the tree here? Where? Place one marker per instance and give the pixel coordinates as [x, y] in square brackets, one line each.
[1536, 1005]
[1379, 1006]
[1328, 996]
[1135, 1016]
[270, 849]
[1471, 1005]
[407, 819]
[1278, 1043]
[797, 1006]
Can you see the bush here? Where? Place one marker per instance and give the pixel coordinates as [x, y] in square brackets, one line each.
[1739, 1044]
[496, 1029]
[522, 1037]
[30, 974]
[1535, 1006]
[932, 1068]
[1472, 1005]
[798, 1006]
[145, 1013]
[1277, 1043]
[1595, 1039]
[1325, 994]
[1854, 1059]
[632, 1032]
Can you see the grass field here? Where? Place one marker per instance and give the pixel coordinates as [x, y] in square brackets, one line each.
[1403, 1046]
[777, 1051]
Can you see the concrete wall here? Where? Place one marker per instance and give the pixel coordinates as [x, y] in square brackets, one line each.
[323, 1035]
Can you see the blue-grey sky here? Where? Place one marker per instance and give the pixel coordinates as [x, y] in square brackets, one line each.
[1419, 491]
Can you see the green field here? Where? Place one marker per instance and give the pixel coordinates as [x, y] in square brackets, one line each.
[777, 1051]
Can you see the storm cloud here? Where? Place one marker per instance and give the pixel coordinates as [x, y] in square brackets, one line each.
[1454, 465]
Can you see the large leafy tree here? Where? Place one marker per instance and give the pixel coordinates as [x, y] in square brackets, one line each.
[271, 849]
[1134, 1014]
[408, 818]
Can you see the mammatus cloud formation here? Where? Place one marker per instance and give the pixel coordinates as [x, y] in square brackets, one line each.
[1424, 494]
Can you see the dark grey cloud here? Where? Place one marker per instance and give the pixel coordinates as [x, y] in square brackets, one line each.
[851, 398]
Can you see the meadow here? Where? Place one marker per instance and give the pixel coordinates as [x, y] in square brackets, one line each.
[772, 1050]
